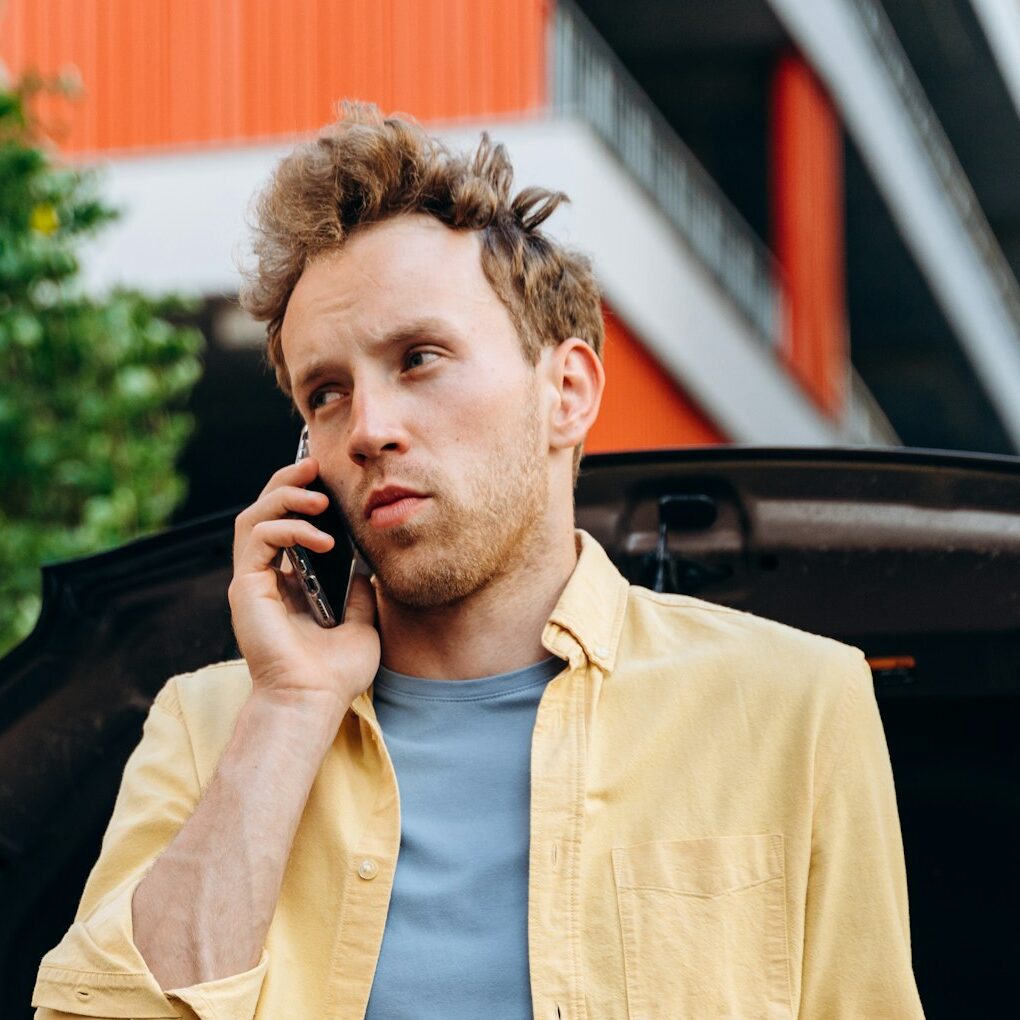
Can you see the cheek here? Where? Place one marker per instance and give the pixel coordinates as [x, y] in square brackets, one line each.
[468, 408]
[493, 419]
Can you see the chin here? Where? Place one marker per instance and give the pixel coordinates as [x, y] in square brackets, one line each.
[430, 588]
[456, 549]
[427, 575]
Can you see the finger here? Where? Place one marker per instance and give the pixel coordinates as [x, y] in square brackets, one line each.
[268, 537]
[275, 504]
[288, 499]
[361, 601]
[284, 501]
[299, 473]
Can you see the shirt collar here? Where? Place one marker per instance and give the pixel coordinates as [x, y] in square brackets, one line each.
[586, 621]
[588, 617]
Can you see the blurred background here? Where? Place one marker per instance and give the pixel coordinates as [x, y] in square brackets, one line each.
[805, 220]
[803, 214]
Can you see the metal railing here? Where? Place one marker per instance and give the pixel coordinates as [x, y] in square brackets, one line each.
[944, 163]
[589, 81]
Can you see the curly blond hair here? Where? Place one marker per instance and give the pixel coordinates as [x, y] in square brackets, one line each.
[365, 168]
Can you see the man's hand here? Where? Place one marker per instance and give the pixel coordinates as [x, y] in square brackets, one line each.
[288, 654]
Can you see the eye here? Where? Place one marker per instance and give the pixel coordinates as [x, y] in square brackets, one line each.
[321, 397]
[416, 359]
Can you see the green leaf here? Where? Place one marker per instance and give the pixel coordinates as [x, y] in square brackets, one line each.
[93, 393]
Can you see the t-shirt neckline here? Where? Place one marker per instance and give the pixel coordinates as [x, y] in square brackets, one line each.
[496, 686]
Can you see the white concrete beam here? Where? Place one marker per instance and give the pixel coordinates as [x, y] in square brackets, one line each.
[184, 229]
[1000, 20]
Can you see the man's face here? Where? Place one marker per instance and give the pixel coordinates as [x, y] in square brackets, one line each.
[411, 377]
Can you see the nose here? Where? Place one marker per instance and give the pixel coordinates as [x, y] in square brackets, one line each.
[375, 424]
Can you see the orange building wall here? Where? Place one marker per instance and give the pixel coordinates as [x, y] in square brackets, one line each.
[643, 408]
[180, 72]
[177, 73]
[809, 236]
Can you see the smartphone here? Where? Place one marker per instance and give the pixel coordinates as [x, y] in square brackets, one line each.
[325, 577]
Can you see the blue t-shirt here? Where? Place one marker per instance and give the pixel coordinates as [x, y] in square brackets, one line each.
[456, 940]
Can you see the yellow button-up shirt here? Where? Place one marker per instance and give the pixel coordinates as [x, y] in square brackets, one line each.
[713, 834]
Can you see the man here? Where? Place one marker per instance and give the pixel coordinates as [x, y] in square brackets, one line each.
[508, 785]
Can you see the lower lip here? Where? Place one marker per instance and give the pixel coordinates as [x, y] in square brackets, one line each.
[392, 514]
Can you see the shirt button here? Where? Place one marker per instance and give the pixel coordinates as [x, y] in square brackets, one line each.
[368, 869]
[601, 651]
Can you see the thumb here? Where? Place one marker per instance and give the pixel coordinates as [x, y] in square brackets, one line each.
[361, 601]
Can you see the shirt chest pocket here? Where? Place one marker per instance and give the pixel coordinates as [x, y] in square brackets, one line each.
[703, 923]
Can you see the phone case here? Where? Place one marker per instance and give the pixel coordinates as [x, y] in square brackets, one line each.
[325, 577]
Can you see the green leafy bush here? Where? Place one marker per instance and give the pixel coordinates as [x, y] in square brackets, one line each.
[93, 392]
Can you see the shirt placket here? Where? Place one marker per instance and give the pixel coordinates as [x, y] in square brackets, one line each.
[557, 798]
[368, 884]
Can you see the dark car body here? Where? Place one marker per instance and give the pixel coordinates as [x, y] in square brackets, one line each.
[912, 556]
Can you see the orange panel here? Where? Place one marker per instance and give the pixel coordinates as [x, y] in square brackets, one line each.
[807, 196]
[180, 72]
[643, 409]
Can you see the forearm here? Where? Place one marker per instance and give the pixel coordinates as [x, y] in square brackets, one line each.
[203, 910]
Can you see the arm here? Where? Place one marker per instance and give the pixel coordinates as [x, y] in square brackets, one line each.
[104, 961]
[187, 884]
[857, 930]
[96, 970]
[203, 910]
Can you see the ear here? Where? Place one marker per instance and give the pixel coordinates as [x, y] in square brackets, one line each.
[578, 380]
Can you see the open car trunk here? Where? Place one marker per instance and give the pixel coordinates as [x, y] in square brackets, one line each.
[914, 557]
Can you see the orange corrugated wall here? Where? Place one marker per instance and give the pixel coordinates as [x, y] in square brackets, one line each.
[181, 72]
[809, 235]
[643, 408]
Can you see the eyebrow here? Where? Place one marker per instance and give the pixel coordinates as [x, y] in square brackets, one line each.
[426, 328]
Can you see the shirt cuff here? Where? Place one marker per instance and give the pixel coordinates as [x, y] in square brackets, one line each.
[97, 971]
[229, 998]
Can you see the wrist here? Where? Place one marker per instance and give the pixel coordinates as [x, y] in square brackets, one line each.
[308, 713]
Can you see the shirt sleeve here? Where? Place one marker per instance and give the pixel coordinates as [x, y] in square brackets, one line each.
[857, 929]
[96, 970]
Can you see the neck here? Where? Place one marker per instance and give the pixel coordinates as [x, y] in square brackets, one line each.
[494, 630]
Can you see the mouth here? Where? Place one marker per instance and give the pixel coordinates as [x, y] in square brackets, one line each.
[388, 507]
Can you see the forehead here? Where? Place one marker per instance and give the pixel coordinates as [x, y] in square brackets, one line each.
[407, 268]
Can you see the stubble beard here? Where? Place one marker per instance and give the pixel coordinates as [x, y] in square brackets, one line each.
[463, 545]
